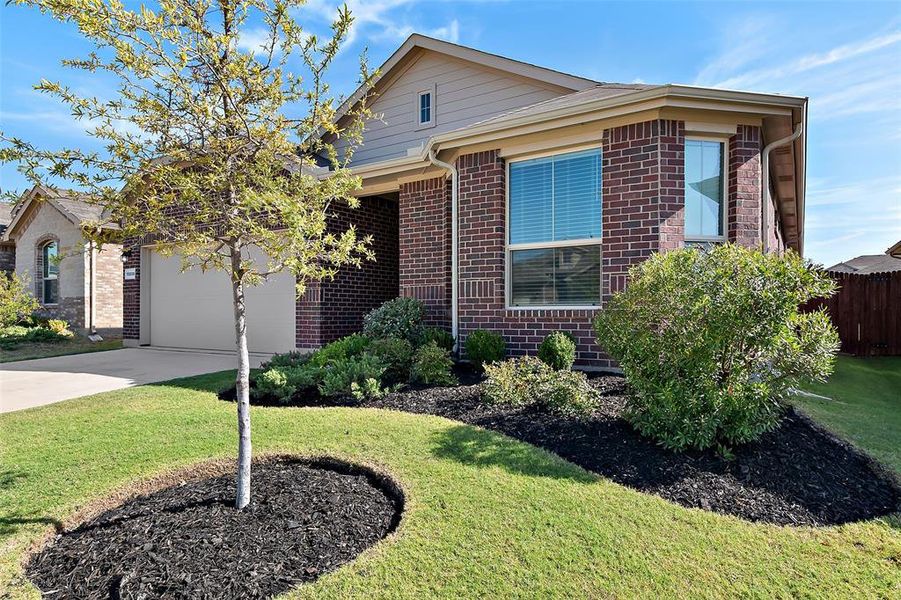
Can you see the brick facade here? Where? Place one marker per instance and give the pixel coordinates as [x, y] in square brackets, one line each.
[332, 309]
[743, 216]
[425, 247]
[7, 258]
[643, 202]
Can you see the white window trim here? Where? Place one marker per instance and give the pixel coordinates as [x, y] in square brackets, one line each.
[432, 112]
[724, 140]
[510, 248]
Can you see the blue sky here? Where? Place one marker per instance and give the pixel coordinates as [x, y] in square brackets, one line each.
[845, 56]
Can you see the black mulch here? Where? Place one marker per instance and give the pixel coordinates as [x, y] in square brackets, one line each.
[799, 474]
[187, 541]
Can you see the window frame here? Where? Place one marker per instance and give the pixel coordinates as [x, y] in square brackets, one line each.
[724, 218]
[417, 108]
[46, 275]
[510, 248]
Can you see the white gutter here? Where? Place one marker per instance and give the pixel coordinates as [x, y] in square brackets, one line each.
[454, 181]
[765, 177]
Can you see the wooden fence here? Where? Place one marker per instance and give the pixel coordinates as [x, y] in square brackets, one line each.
[866, 311]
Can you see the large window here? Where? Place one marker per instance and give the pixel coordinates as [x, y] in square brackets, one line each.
[50, 273]
[554, 251]
[704, 191]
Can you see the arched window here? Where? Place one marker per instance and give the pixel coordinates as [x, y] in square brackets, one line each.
[50, 273]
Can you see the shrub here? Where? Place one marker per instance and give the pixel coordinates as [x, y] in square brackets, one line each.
[396, 354]
[338, 378]
[485, 347]
[273, 382]
[282, 382]
[287, 359]
[398, 318]
[527, 380]
[16, 300]
[346, 347]
[712, 342]
[442, 338]
[12, 336]
[558, 350]
[60, 328]
[432, 366]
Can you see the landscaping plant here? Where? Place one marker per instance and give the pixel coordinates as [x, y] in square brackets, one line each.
[396, 355]
[442, 338]
[526, 380]
[398, 318]
[483, 347]
[432, 366]
[712, 342]
[340, 349]
[206, 143]
[558, 350]
[357, 376]
[16, 300]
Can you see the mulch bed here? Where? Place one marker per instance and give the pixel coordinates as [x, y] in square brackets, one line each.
[798, 474]
[306, 518]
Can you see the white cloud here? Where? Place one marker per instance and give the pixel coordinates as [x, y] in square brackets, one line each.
[380, 20]
[254, 40]
[792, 68]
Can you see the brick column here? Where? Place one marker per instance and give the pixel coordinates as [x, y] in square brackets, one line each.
[425, 247]
[131, 294]
[743, 218]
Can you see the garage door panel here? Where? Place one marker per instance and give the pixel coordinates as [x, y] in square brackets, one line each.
[194, 309]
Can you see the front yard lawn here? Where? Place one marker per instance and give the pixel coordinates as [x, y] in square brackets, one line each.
[485, 515]
[77, 345]
[865, 405]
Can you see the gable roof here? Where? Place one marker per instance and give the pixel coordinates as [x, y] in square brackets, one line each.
[895, 249]
[77, 207]
[417, 42]
[869, 263]
[6, 210]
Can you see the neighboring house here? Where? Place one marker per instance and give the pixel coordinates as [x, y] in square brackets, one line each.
[871, 263]
[7, 249]
[71, 277]
[514, 198]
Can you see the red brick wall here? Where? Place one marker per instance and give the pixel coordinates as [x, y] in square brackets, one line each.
[743, 217]
[425, 247]
[131, 293]
[333, 309]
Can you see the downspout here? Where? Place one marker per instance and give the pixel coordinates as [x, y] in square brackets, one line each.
[454, 182]
[765, 199]
[93, 290]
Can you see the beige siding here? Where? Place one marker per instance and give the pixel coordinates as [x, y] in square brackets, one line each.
[466, 93]
[46, 222]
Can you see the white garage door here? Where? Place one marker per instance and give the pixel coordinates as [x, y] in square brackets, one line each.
[194, 309]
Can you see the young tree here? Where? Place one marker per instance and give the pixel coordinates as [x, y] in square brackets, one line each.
[210, 144]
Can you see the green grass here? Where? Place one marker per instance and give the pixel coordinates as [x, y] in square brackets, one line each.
[77, 345]
[865, 405]
[487, 516]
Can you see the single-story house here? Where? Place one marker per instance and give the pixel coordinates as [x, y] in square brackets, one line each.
[73, 278]
[512, 197]
[888, 262]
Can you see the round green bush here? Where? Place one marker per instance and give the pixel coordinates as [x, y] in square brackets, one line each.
[558, 350]
[432, 366]
[712, 342]
[398, 318]
[442, 338]
[483, 347]
[525, 381]
[396, 355]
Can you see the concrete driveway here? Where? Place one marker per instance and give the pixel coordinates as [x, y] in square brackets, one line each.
[29, 383]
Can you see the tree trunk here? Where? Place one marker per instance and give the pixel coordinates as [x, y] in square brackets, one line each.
[242, 382]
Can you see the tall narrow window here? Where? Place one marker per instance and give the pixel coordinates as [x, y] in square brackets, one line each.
[554, 240]
[50, 273]
[425, 108]
[704, 191]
